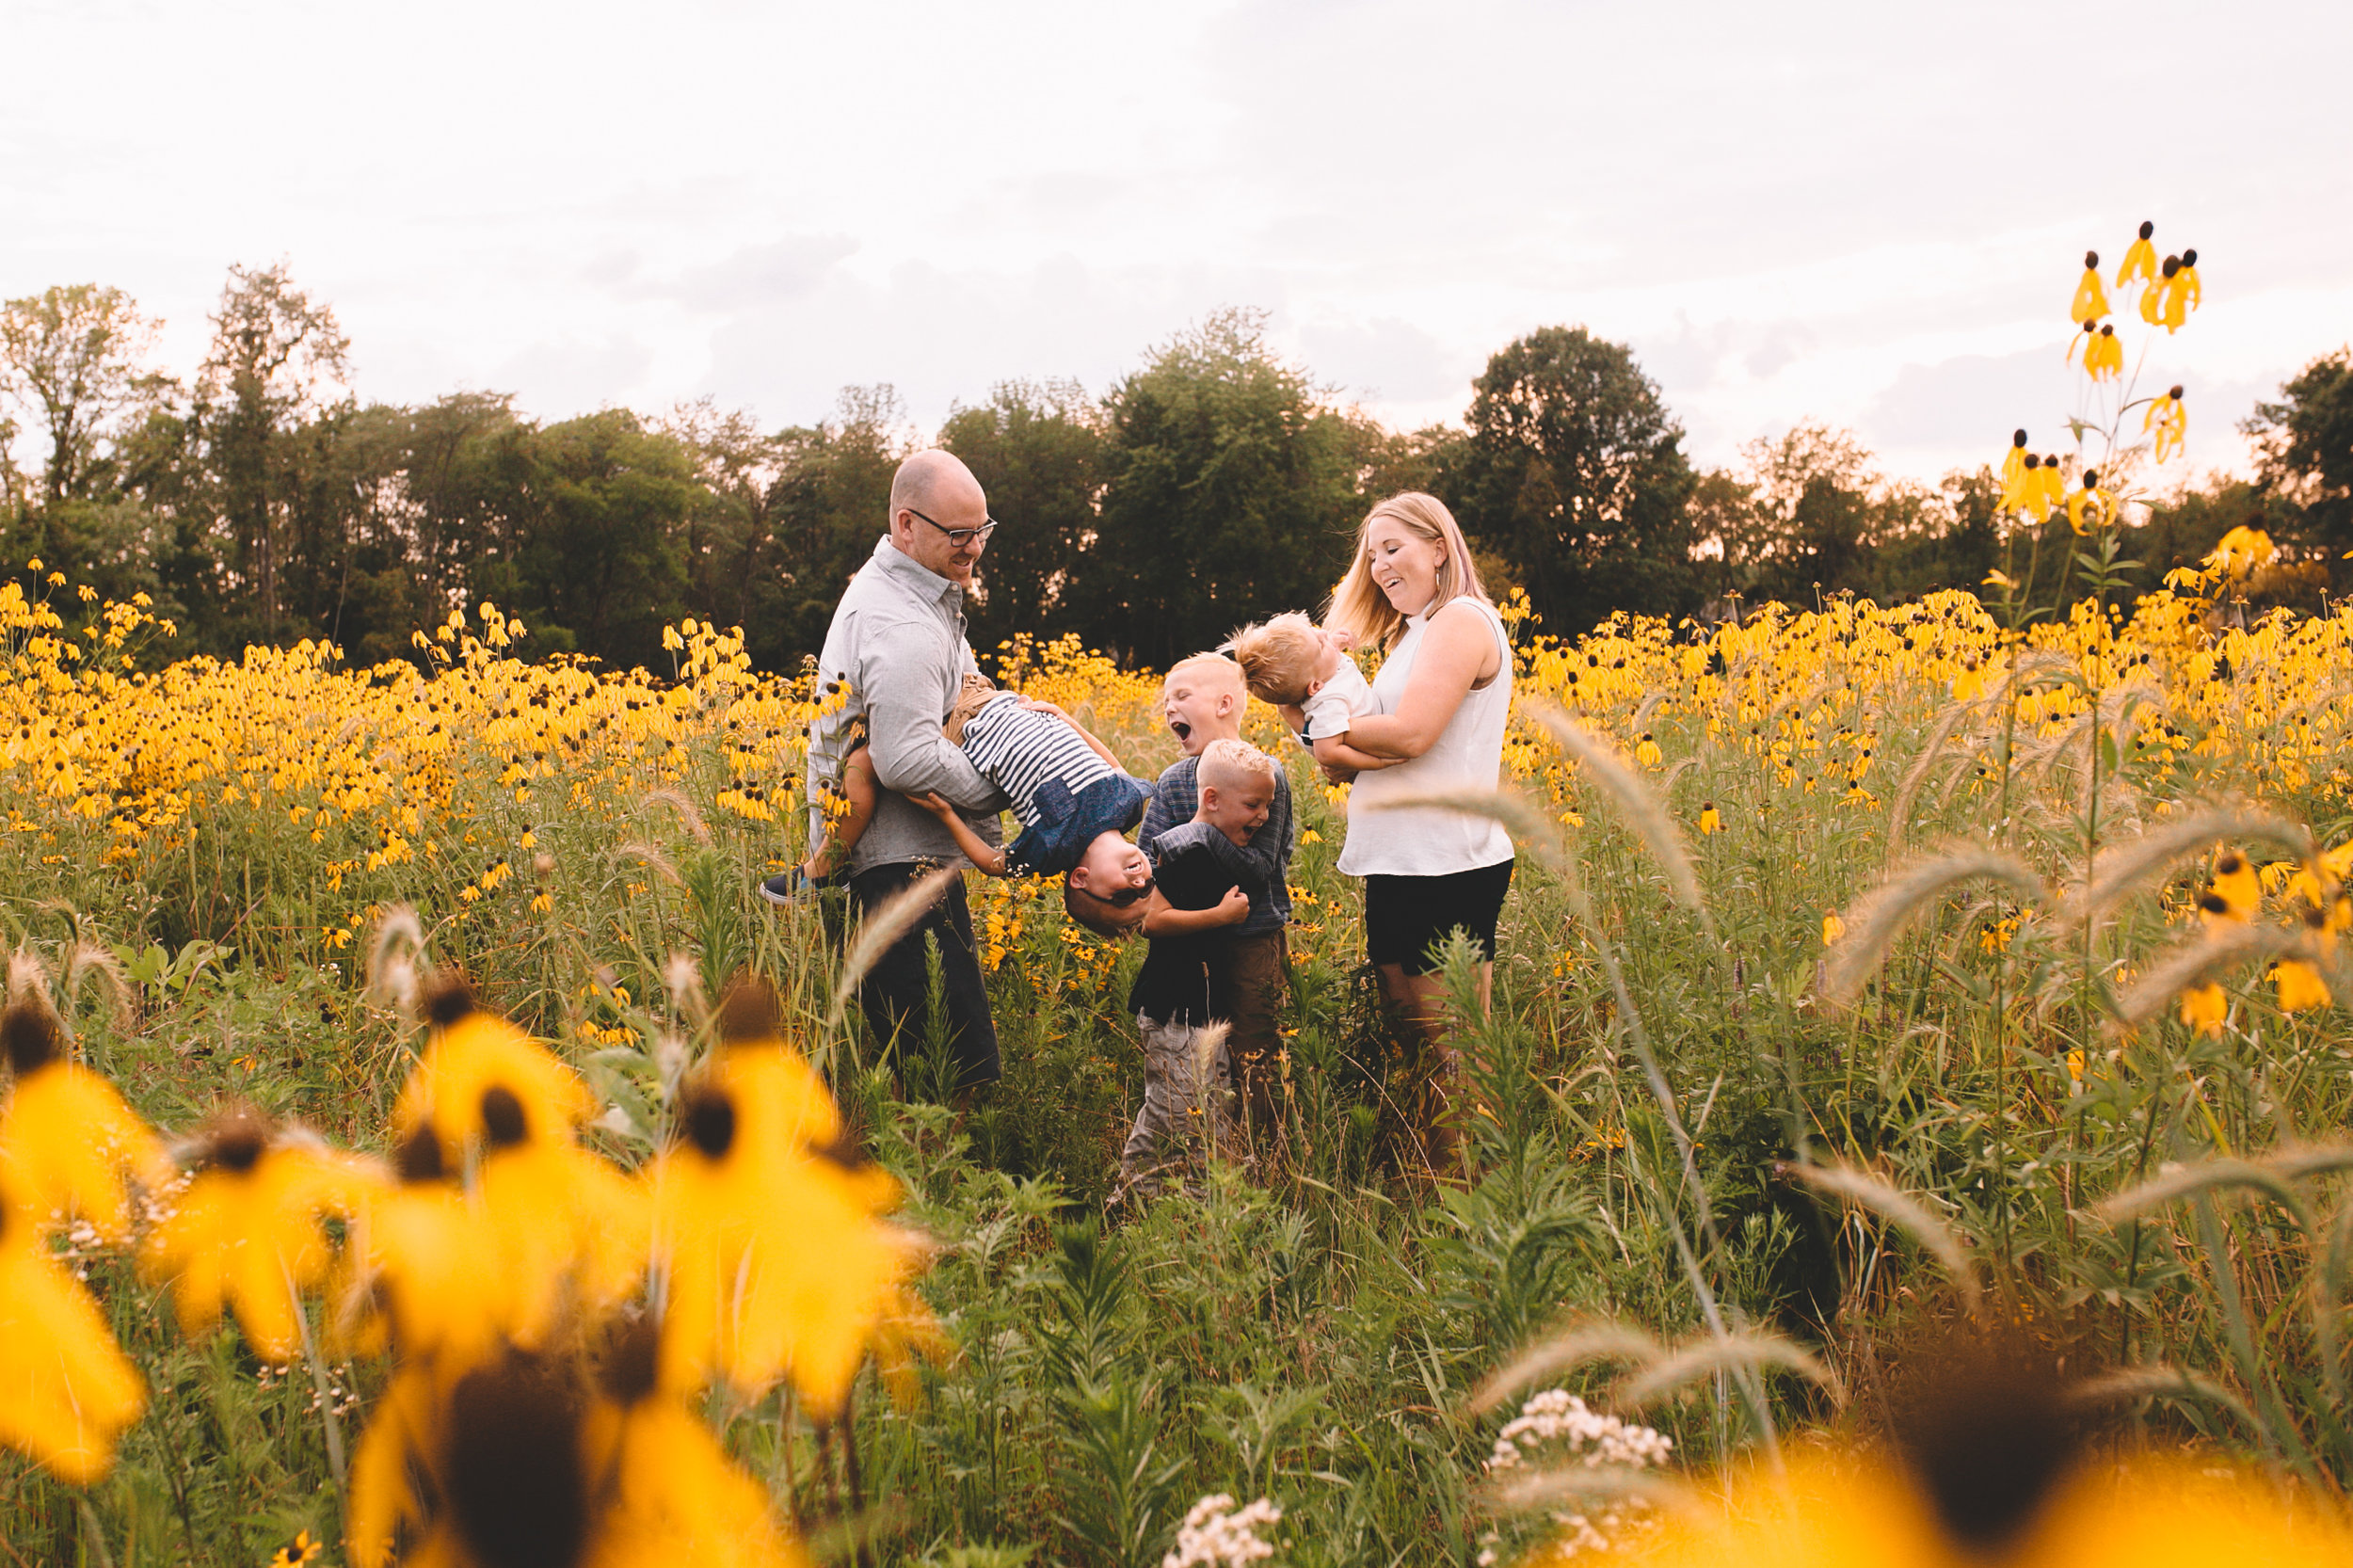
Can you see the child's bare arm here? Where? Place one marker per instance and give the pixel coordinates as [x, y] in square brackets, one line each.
[1162, 920]
[1335, 750]
[987, 856]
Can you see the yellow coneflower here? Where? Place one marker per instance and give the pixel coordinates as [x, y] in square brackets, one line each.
[2236, 885]
[2140, 259]
[65, 1138]
[2089, 508]
[2204, 1007]
[2103, 354]
[472, 1053]
[418, 1265]
[1833, 928]
[531, 1456]
[1711, 820]
[2182, 290]
[2168, 421]
[770, 1250]
[67, 1391]
[2091, 301]
[245, 1232]
[563, 1225]
[299, 1552]
[2299, 986]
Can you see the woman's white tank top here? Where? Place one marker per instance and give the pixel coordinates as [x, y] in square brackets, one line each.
[1467, 758]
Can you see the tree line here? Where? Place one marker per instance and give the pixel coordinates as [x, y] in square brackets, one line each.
[260, 501]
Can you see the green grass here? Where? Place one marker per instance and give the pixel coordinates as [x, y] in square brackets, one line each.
[1314, 1338]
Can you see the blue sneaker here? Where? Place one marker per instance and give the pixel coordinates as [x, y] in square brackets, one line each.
[789, 887]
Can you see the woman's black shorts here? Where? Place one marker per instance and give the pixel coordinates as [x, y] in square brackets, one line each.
[1406, 915]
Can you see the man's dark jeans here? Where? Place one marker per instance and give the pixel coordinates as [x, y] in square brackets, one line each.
[896, 993]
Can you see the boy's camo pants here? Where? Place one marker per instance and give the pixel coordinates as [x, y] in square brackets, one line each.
[1185, 1114]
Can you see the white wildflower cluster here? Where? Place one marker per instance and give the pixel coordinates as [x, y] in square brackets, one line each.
[1215, 1536]
[1594, 1442]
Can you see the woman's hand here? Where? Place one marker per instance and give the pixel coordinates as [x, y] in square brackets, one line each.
[935, 803]
[1458, 651]
[1039, 705]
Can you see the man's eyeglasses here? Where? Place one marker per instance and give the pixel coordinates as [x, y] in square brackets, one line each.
[959, 537]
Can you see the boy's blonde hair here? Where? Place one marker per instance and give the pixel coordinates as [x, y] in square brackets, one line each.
[1214, 666]
[1229, 764]
[1360, 608]
[1278, 658]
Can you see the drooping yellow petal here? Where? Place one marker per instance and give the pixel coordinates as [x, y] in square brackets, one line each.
[2236, 885]
[246, 1234]
[68, 1142]
[562, 1227]
[67, 1391]
[2203, 1008]
[470, 1052]
[2299, 986]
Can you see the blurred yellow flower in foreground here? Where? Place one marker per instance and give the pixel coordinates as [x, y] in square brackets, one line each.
[65, 1138]
[246, 1230]
[66, 1390]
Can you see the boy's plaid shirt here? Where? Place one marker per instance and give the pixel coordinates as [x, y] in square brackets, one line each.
[1175, 800]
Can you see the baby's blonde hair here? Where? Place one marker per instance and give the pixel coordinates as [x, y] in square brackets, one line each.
[1227, 765]
[1278, 658]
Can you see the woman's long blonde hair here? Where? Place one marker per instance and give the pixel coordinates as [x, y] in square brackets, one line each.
[1360, 608]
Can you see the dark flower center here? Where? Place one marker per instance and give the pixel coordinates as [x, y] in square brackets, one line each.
[503, 1117]
[709, 1118]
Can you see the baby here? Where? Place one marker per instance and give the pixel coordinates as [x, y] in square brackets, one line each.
[1292, 663]
[1065, 786]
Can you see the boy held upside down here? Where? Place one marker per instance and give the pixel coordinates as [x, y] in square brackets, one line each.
[1065, 786]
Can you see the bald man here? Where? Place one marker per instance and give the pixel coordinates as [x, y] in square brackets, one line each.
[896, 656]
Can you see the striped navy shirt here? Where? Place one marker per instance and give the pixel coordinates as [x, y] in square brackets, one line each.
[1018, 749]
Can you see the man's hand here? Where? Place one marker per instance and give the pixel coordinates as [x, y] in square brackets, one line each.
[1039, 705]
[1233, 908]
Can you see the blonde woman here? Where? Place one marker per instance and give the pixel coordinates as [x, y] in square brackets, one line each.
[1444, 691]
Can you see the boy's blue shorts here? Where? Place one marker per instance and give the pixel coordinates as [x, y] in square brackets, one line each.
[1070, 823]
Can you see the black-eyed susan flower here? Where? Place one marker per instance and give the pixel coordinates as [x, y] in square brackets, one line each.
[2240, 551]
[2103, 354]
[419, 1273]
[2167, 421]
[1996, 1477]
[2140, 259]
[2014, 460]
[769, 1245]
[2091, 301]
[247, 1230]
[2083, 342]
[563, 1226]
[2204, 1009]
[539, 1457]
[2299, 986]
[66, 1140]
[2153, 297]
[1833, 928]
[472, 1053]
[2090, 507]
[299, 1552]
[2182, 290]
[2236, 885]
[1711, 820]
[67, 1391]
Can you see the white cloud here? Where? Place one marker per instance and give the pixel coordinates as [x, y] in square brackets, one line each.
[1844, 211]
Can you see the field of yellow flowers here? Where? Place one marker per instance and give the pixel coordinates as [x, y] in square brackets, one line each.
[1870, 972]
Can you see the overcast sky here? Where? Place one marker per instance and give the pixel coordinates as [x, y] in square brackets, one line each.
[1873, 215]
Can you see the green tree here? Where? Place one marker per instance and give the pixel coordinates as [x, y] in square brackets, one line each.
[2304, 446]
[591, 516]
[1231, 493]
[276, 359]
[1574, 472]
[70, 355]
[1039, 450]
